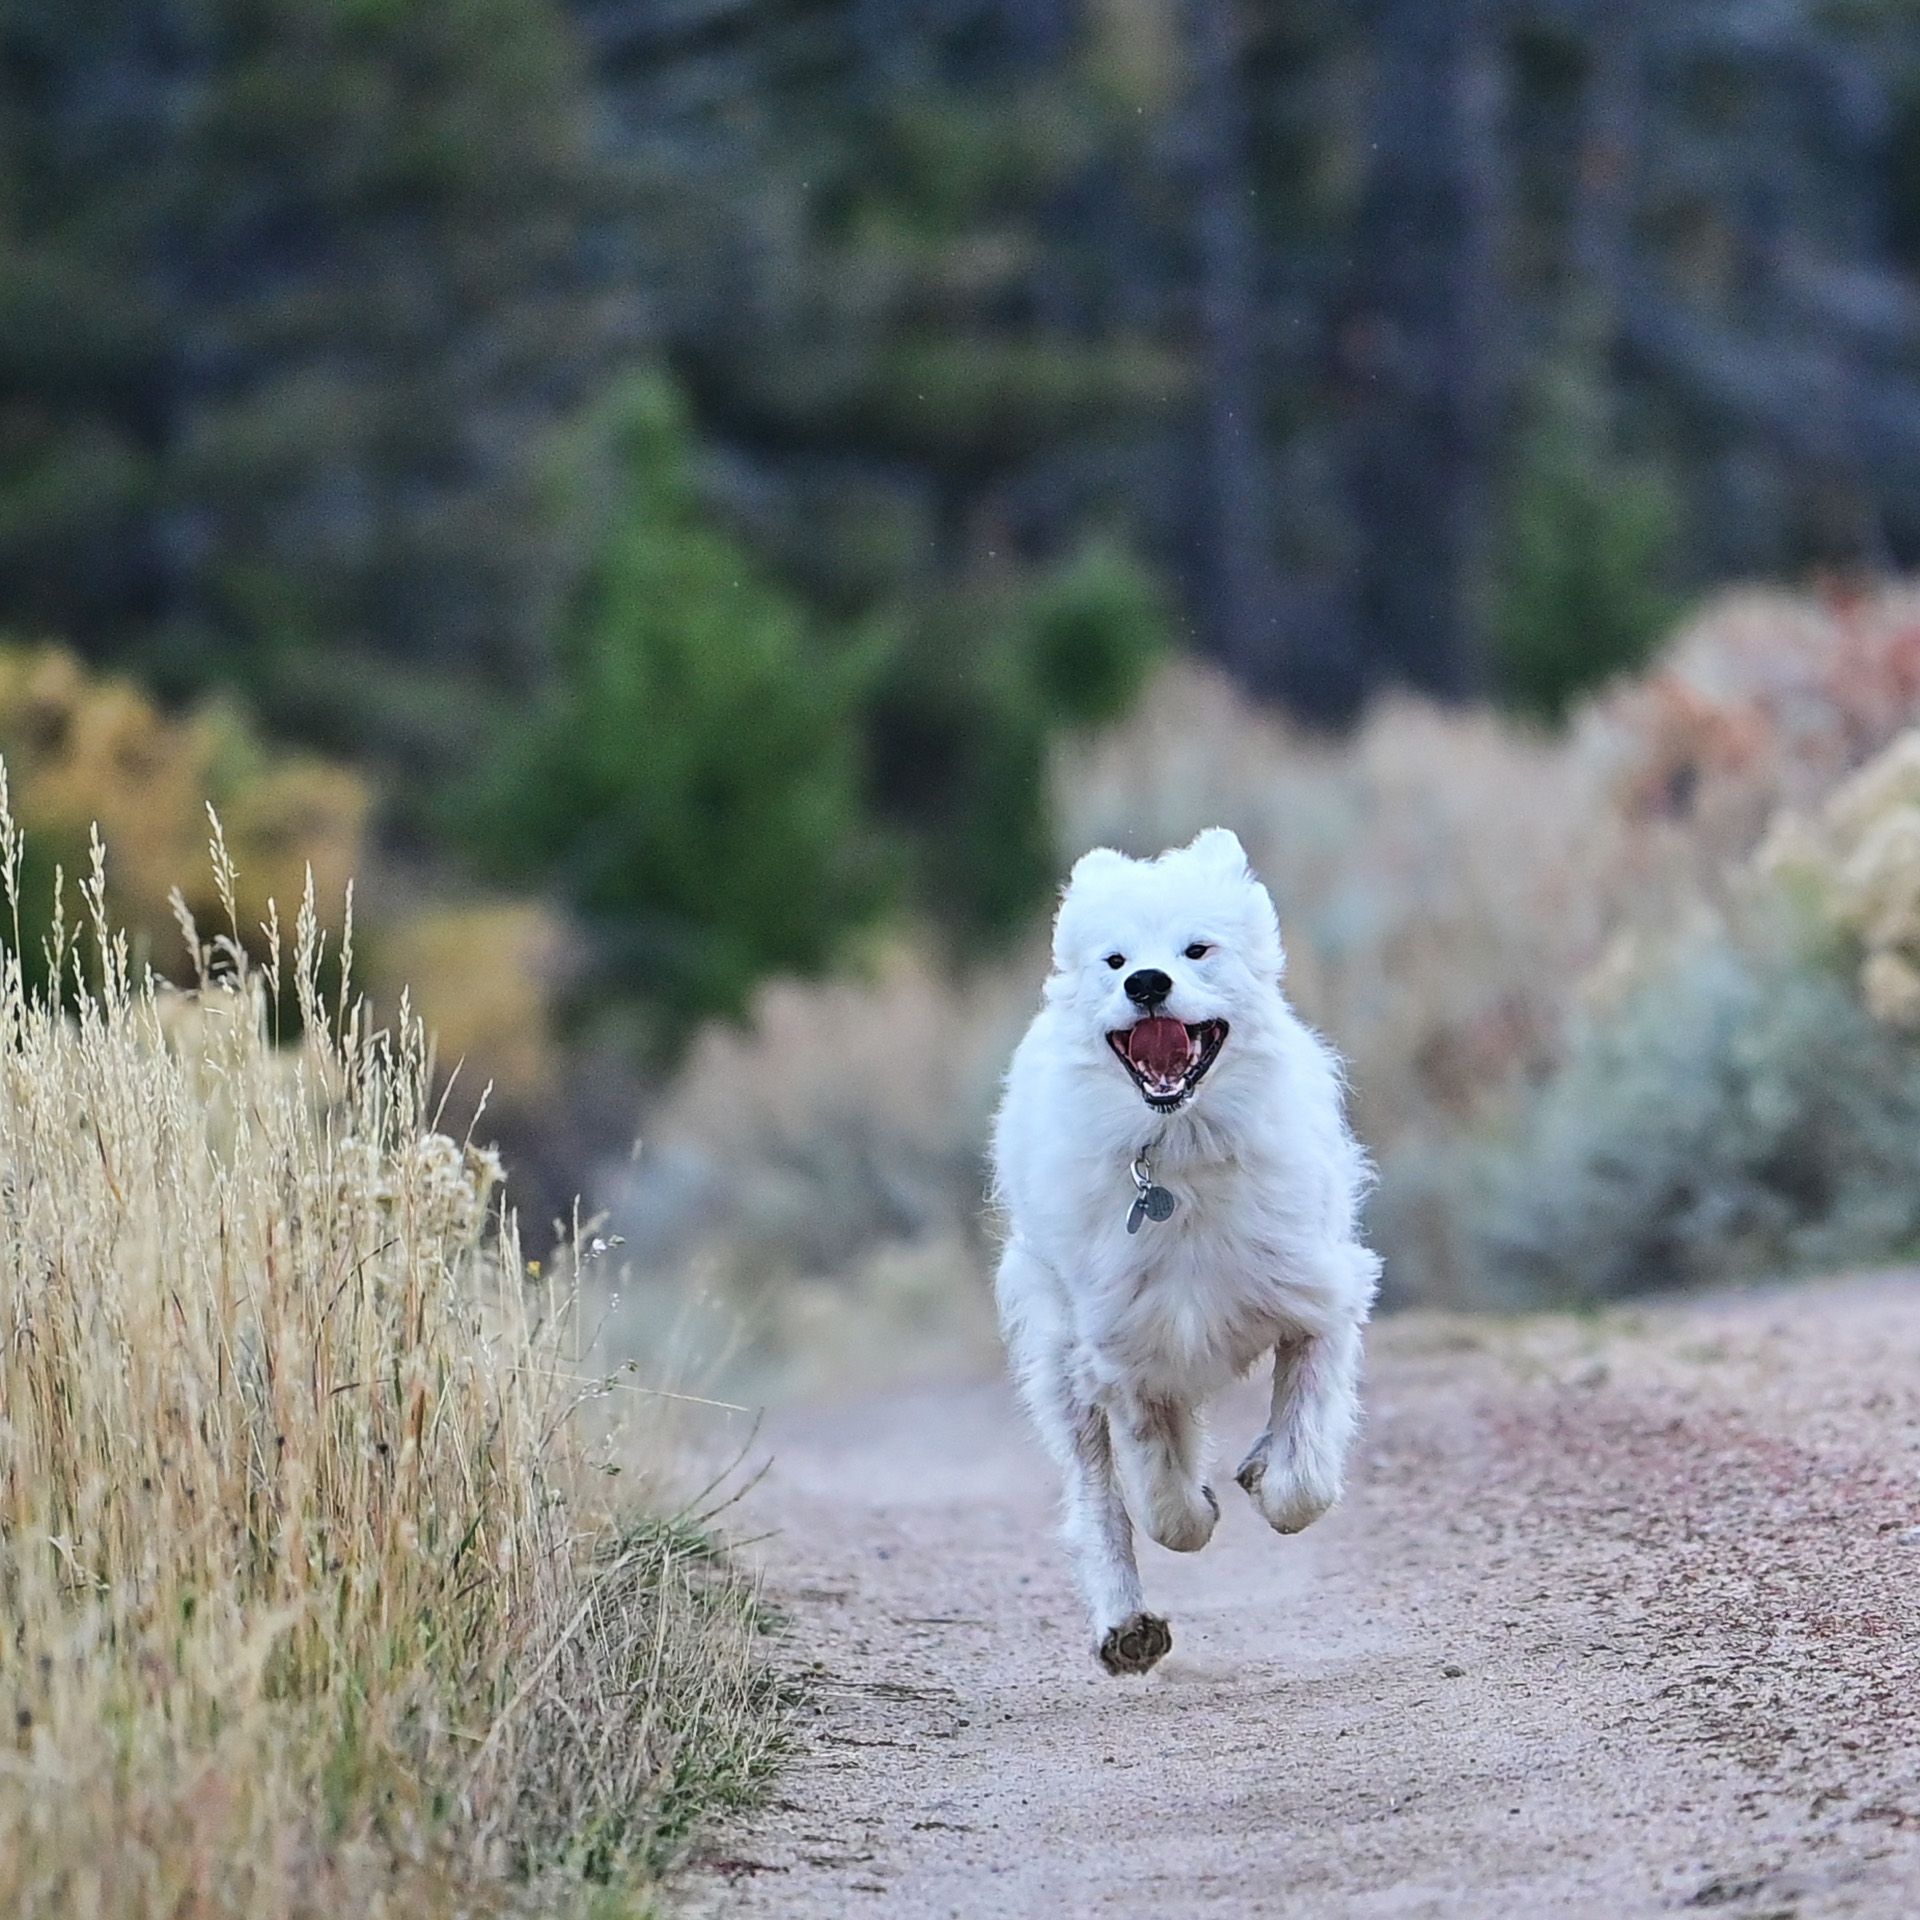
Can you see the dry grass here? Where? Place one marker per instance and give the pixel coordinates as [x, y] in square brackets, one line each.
[308, 1601]
[827, 1158]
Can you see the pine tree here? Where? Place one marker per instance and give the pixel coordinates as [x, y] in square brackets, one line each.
[295, 296]
[385, 217]
[691, 781]
[1584, 589]
[87, 97]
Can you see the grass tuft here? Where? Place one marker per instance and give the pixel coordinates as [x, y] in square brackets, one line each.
[309, 1602]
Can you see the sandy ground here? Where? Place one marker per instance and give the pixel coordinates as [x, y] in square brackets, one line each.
[1621, 1617]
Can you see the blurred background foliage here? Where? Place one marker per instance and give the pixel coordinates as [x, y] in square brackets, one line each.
[691, 497]
[83, 749]
[689, 776]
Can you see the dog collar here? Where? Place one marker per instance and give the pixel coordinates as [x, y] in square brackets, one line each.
[1151, 1201]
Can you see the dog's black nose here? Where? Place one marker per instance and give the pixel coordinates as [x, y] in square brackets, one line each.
[1148, 987]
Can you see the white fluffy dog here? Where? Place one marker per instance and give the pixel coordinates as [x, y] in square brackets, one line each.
[1181, 1193]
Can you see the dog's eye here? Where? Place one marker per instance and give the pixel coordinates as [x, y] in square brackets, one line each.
[1116, 961]
[1199, 950]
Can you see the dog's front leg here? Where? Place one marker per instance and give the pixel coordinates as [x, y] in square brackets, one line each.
[1099, 1536]
[1296, 1469]
[1050, 1369]
[1157, 1446]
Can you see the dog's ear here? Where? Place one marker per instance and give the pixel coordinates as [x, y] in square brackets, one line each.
[1220, 848]
[1093, 863]
[1078, 899]
[1219, 851]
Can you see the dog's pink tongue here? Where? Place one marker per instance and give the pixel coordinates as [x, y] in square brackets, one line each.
[1159, 1045]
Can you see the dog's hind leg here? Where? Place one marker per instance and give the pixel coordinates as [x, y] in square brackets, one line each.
[1157, 1445]
[1094, 1524]
[1296, 1469]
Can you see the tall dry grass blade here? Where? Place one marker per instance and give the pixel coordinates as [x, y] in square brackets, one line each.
[298, 1540]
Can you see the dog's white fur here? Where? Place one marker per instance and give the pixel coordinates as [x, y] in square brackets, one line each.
[1117, 1339]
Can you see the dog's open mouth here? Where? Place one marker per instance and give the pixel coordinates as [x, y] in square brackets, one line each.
[1168, 1058]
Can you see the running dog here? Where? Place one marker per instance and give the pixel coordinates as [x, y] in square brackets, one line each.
[1181, 1194]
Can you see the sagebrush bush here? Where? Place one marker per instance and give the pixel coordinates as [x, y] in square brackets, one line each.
[307, 1601]
[1441, 877]
[1745, 1098]
[823, 1165]
[1763, 700]
[1740, 1111]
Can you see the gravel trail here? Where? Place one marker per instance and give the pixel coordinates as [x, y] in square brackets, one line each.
[1621, 1617]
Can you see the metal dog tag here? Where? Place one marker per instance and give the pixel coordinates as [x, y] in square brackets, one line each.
[1151, 1201]
[1155, 1204]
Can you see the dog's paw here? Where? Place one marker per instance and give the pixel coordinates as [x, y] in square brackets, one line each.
[1285, 1496]
[1137, 1645]
[1183, 1520]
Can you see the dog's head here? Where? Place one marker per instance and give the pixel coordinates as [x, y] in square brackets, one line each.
[1163, 962]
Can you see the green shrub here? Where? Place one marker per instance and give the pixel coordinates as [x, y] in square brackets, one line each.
[1582, 589]
[975, 691]
[692, 781]
[1090, 632]
[1739, 1110]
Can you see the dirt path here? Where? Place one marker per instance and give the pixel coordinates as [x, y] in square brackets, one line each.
[1620, 1618]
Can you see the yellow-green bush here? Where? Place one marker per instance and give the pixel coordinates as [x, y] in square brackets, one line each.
[85, 748]
[487, 973]
[1857, 861]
